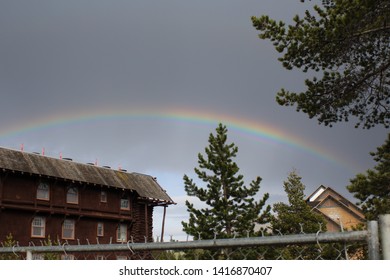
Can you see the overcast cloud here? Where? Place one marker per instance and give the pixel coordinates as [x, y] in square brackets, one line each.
[68, 58]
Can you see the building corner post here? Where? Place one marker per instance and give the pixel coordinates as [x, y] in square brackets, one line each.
[163, 223]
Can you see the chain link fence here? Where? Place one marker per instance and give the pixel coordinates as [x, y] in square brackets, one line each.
[348, 245]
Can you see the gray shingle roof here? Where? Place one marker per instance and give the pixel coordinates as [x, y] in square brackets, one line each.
[30, 163]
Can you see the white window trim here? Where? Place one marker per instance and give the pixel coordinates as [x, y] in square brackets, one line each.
[42, 226]
[100, 233]
[120, 231]
[38, 257]
[73, 228]
[72, 197]
[67, 257]
[125, 206]
[103, 196]
[43, 191]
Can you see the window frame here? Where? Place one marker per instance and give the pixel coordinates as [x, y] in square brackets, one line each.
[38, 257]
[120, 232]
[72, 195]
[103, 196]
[67, 257]
[73, 229]
[43, 193]
[100, 230]
[41, 227]
[127, 200]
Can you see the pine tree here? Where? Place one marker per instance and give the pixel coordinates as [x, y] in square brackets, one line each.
[296, 216]
[373, 188]
[344, 44]
[231, 207]
[9, 242]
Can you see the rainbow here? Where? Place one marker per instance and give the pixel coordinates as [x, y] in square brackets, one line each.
[252, 128]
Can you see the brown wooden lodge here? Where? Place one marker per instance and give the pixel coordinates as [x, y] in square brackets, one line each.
[44, 198]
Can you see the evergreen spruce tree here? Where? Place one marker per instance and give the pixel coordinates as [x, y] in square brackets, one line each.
[231, 208]
[373, 188]
[297, 215]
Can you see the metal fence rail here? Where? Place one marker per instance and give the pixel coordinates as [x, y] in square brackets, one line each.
[336, 245]
[280, 241]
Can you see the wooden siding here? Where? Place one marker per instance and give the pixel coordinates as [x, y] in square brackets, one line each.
[22, 173]
[19, 206]
[337, 210]
[338, 197]
[341, 215]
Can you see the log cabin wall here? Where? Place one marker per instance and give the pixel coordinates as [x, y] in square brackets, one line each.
[19, 206]
[44, 198]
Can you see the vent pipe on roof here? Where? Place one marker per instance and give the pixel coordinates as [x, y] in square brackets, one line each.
[121, 169]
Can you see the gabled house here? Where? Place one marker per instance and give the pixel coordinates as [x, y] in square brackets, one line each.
[339, 212]
[43, 197]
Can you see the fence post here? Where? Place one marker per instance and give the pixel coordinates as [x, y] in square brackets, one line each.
[373, 240]
[28, 255]
[384, 227]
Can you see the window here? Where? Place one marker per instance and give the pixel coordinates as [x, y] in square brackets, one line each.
[38, 227]
[67, 257]
[121, 233]
[38, 257]
[43, 191]
[68, 229]
[100, 229]
[103, 196]
[72, 196]
[125, 204]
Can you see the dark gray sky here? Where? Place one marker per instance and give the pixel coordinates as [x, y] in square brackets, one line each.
[64, 63]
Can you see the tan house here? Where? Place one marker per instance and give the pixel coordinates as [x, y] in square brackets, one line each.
[339, 212]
